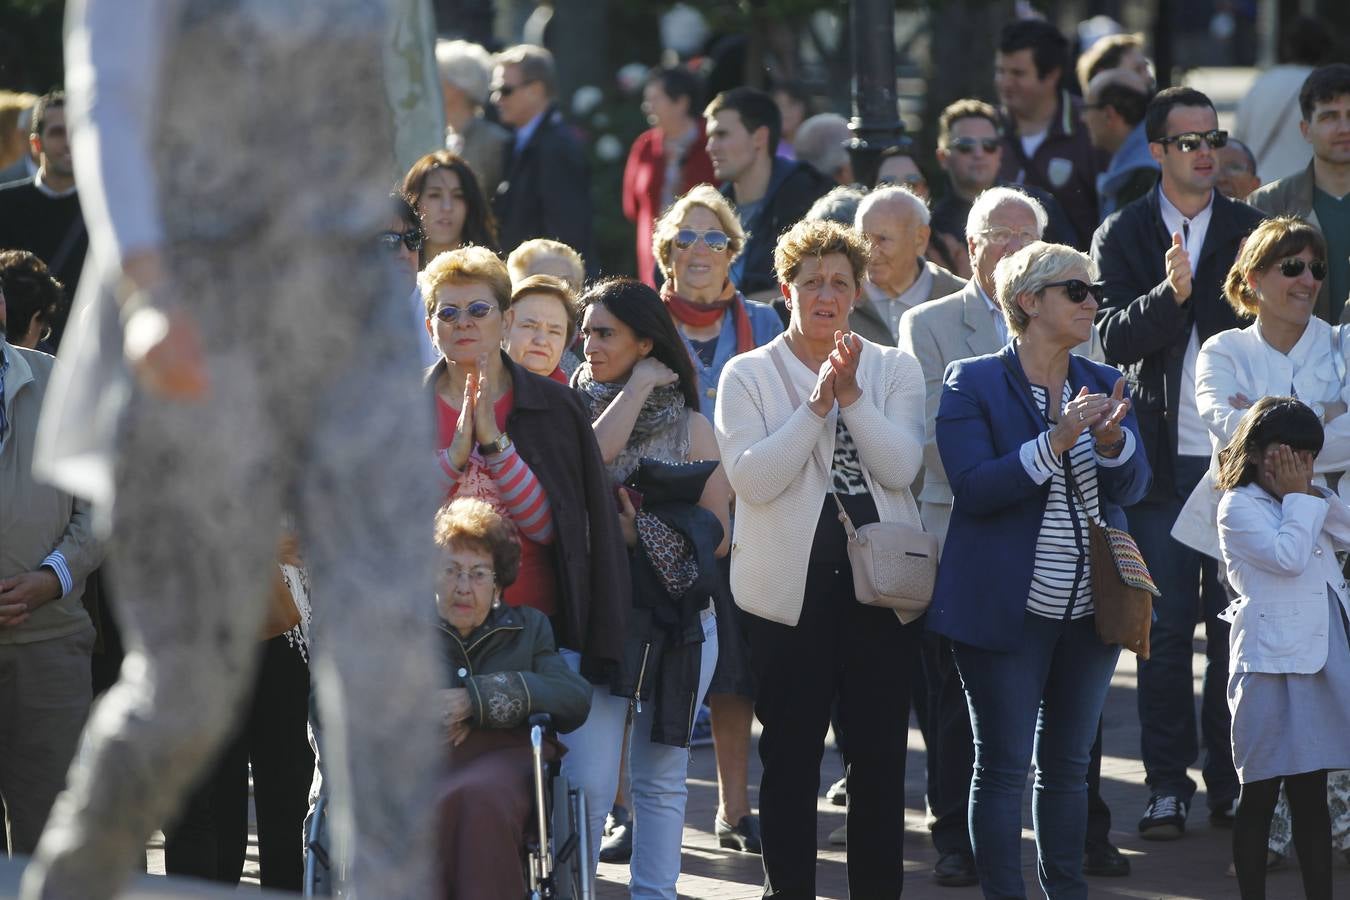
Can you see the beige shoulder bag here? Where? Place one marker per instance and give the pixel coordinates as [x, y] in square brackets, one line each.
[894, 565]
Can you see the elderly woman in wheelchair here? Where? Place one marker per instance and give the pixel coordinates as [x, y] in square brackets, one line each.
[504, 668]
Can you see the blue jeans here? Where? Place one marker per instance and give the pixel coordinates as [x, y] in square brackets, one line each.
[1191, 591]
[1040, 701]
[657, 772]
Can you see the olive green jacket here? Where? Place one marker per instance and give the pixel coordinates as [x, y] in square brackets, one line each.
[512, 670]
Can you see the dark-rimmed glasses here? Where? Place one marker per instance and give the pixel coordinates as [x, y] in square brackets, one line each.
[478, 309]
[1078, 290]
[412, 239]
[716, 240]
[1189, 141]
[1293, 267]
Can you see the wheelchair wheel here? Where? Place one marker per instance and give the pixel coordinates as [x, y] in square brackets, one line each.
[572, 877]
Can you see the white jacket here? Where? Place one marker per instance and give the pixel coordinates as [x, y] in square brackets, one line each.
[1281, 555]
[780, 484]
[1239, 361]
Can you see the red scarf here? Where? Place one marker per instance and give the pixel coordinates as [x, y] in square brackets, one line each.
[701, 315]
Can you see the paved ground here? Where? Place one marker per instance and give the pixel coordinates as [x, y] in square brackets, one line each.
[1190, 869]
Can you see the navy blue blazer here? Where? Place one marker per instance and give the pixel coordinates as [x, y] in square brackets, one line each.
[985, 416]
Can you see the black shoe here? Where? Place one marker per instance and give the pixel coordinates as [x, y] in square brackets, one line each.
[838, 792]
[617, 844]
[1223, 816]
[955, 870]
[1164, 818]
[1105, 861]
[744, 837]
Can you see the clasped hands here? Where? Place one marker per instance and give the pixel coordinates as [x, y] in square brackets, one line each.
[1099, 413]
[456, 713]
[477, 419]
[837, 380]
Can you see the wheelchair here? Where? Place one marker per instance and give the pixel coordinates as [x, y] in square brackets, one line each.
[557, 851]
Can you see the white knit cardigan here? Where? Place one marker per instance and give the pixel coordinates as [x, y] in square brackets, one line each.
[780, 485]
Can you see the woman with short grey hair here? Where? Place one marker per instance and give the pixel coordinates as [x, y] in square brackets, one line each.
[466, 74]
[1036, 441]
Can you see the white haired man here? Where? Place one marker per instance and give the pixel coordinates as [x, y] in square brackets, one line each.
[466, 72]
[895, 223]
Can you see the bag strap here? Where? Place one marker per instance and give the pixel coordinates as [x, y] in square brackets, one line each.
[796, 400]
[1065, 459]
[1337, 353]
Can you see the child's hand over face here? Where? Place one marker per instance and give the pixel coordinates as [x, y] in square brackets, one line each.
[1287, 472]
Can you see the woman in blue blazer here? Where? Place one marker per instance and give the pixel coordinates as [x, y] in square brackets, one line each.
[1035, 440]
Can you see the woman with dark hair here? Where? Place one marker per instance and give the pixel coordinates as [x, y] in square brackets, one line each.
[446, 193]
[1289, 647]
[640, 387]
[667, 159]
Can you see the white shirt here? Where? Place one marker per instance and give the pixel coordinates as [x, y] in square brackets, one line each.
[1032, 142]
[1000, 321]
[1192, 436]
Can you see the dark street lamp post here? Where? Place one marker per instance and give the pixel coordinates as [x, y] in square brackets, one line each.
[876, 119]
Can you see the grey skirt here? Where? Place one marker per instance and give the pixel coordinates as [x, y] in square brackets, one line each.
[1290, 724]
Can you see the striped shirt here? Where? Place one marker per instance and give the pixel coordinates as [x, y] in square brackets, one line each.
[1061, 579]
[511, 487]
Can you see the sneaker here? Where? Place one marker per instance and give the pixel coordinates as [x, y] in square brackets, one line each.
[1223, 816]
[838, 792]
[702, 736]
[617, 844]
[1164, 818]
[955, 870]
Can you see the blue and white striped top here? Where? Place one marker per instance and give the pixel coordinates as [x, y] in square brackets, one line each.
[1061, 579]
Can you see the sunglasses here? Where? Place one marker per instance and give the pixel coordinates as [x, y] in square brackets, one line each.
[412, 239]
[717, 241]
[506, 90]
[1189, 141]
[478, 309]
[967, 145]
[1078, 290]
[1292, 268]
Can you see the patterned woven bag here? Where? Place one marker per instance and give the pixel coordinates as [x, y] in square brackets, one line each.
[1122, 588]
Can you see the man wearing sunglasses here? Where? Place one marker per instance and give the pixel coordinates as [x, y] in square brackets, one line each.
[1321, 192]
[970, 151]
[1114, 116]
[547, 188]
[1163, 258]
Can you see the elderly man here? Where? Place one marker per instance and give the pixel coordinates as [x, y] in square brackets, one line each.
[1114, 116]
[466, 70]
[895, 223]
[1237, 170]
[969, 323]
[547, 191]
[47, 550]
[821, 141]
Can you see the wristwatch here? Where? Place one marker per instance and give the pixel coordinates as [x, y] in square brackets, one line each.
[500, 445]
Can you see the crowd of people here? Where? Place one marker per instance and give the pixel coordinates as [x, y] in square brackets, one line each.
[1106, 321]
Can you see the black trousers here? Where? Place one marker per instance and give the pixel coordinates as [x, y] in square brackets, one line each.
[862, 657]
[210, 837]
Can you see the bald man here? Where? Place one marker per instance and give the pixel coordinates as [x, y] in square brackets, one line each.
[1114, 115]
[895, 223]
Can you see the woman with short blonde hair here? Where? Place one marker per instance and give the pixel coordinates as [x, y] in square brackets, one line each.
[541, 256]
[1037, 442]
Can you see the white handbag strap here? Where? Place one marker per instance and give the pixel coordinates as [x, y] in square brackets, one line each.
[796, 400]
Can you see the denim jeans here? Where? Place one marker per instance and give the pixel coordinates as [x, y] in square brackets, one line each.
[1191, 591]
[1040, 702]
[657, 773]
